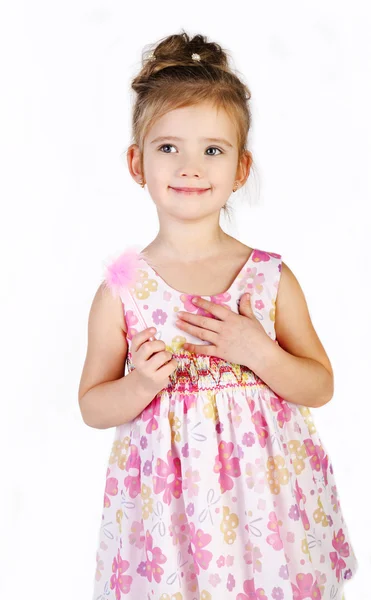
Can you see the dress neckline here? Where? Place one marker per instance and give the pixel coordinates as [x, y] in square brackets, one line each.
[228, 291]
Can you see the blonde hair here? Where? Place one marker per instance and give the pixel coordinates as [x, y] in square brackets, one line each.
[170, 78]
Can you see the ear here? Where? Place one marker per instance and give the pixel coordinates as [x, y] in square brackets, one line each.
[134, 161]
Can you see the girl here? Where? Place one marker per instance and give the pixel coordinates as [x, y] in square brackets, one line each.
[218, 485]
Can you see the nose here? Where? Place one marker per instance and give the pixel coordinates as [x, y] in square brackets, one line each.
[191, 170]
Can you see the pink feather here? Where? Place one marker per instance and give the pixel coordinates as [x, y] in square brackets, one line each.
[121, 273]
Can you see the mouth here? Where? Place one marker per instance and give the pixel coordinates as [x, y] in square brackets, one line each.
[189, 191]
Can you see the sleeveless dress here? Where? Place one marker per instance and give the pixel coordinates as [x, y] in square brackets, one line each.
[219, 489]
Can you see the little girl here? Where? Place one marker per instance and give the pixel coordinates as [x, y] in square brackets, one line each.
[218, 486]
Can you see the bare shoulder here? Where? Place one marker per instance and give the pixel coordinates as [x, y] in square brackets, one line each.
[294, 328]
[113, 304]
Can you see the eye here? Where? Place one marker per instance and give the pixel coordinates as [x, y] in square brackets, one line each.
[214, 148]
[171, 146]
[166, 146]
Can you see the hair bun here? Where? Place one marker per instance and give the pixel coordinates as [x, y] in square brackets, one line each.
[182, 50]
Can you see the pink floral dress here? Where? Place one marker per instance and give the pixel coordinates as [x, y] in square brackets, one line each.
[219, 489]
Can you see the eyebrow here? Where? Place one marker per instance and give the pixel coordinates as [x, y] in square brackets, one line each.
[204, 139]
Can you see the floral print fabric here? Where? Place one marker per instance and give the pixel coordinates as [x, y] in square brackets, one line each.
[219, 489]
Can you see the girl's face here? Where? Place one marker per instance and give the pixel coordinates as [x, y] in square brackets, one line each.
[181, 151]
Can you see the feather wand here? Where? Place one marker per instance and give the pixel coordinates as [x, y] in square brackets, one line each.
[121, 273]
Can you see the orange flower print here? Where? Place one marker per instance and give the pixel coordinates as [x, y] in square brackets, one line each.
[277, 474]
[229, 522]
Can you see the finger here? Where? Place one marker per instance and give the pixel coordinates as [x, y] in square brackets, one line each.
[142, 337]
[198, 332]
[215, 309]
[201, 321]
[200, 349]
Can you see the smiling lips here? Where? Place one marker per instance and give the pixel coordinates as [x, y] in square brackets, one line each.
[189, 190]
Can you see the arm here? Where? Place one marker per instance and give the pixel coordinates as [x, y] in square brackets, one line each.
[113, 403]
[107, 397]
[297, 368]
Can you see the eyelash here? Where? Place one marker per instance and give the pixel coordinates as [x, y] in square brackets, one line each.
[215, 147]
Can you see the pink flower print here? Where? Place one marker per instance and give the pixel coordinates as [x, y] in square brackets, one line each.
[119, 582]
[151, 567]
[334, 499]
[219, 427]
[111, 489]
[251, 593]
[282, 408]
[342, 549]
[284, 571]
[189, 401]
[300, 501]
[221, 561]
[214, 579]
[198, 540]
[324, 469]
[231, 582]
[252, 281]
[274, 539]
[256, 476]
[315, 452]
[261, 256]
[151, 411]
[132, 481]
[259, 304]
[191, 578]
[159, 317]
[190, 509]
[294, 512]
[185, 450]
[136, 537]
[260, 424]
[252, 556]
[226, 467]
[235, 410]
[179, 528]
[168, 477]
[131, 320]
[248, 439]
[190, 482]
[306, 587]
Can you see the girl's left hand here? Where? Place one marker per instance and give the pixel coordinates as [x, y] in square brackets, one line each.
[236, 338]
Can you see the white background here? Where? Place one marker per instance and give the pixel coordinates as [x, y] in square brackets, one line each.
[68, 202]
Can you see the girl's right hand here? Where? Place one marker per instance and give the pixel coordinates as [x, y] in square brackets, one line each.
[151, 361]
